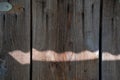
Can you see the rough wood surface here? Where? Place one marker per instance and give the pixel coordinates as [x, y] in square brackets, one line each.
[64, 27]
[65, 40]
[111, 40]
[14, 37]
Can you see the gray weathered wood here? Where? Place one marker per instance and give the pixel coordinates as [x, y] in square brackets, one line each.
[111, 40]
[62, 27]
[15, 41]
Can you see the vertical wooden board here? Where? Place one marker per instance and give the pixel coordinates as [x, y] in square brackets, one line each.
[15, 41]
[64, 33]
[111, 40]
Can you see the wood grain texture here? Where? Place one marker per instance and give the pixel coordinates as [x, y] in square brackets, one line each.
[63, 26]
[14, 36]
[111, 39]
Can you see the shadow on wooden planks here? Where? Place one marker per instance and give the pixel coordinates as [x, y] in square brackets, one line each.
[62, 70]
[66, 70]
[54, 70]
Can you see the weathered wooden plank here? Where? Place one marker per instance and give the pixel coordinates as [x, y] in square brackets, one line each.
[15, 41]
[62, 32]
[111, 40]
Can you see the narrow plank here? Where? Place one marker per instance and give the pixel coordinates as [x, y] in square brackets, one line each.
[65, 38]
[110, 40]
[1, 41]
[15, 41]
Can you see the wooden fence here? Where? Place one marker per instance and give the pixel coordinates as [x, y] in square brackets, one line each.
[59, 40]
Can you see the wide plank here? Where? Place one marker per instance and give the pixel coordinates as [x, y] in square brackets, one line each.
[65, 39]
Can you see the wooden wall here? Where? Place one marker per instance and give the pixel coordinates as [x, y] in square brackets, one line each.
[65, 40]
